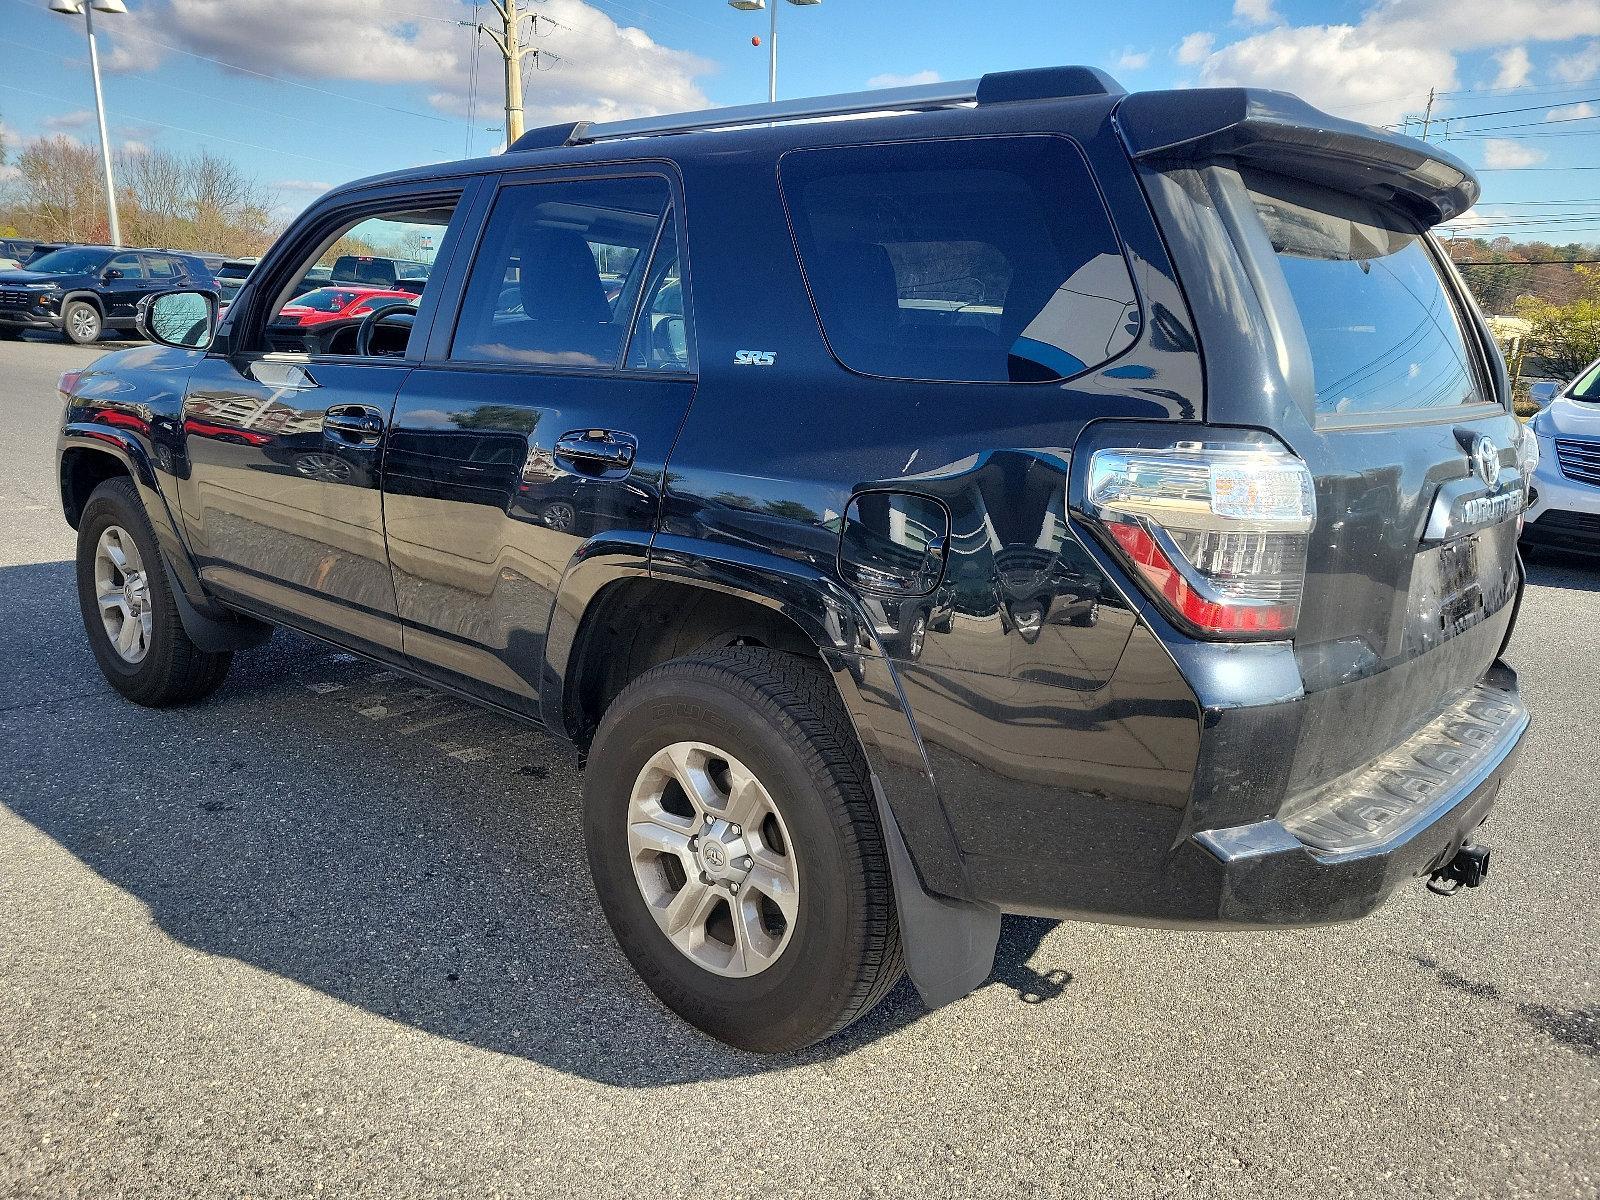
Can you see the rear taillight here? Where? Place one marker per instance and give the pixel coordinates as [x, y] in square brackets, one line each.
[1215, 534]
[69, 383]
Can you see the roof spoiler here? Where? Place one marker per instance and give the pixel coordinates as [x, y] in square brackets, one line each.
[1285, 134]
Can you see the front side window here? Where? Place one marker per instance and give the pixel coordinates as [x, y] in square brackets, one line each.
[1383, 332]
[128, 265]
[984, 259]
[559, 271]
[366, 258]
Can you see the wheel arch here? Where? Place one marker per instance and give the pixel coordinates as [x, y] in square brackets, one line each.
[87, 456]
[627, 605]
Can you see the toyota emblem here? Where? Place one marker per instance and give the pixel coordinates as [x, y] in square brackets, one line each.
[1486, 461]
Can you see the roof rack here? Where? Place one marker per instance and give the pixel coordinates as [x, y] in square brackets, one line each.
[1042, 83]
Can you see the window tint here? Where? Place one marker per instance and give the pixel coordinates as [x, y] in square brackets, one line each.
[128, 264]
[1383, 331]
[161, 267]
[661, 335]
[980, 259]
[558, 271]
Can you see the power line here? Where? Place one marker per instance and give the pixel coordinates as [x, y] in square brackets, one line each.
[1531, 262]
[409, 112]
[184, 129]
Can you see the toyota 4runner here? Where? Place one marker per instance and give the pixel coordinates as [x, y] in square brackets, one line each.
[1032, 499]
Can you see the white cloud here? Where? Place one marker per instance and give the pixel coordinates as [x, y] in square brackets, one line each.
[1515, 67]
[68, 120]
[891, 80]
[1572, 112]
[302, 185]
[1133, 60]
[1381, 67]
[1576, 68]
[1255, 12]
[596, 67]
[1195, 47]
[1336, 67]
[1503, 152]
[134, 146]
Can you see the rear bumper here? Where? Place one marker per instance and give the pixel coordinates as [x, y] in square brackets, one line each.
[1341, 852]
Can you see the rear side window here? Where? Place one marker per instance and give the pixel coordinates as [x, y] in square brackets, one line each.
[559, 272]
[1383, 331]
[978, 260]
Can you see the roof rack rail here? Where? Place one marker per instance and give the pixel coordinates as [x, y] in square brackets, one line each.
[997, 87]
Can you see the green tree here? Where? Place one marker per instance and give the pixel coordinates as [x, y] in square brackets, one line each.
[1565, 338]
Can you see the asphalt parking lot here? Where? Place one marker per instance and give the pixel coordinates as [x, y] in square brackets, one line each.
[330, 933]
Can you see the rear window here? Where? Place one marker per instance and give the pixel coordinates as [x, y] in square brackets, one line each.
[324, 300]
[1383, 331]
[977, 260]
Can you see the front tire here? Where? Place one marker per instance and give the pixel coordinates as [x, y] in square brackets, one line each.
[130, 616]
[82, 323]
[736, 851]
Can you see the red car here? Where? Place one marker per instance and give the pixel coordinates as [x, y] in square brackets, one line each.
[337, 303]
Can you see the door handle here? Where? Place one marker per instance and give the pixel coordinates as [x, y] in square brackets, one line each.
[596, 451]
[354, 423]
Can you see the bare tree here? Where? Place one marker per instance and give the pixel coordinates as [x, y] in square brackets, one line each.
[199, 201]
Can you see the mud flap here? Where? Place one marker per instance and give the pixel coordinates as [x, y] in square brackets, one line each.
[213, 634]
[948, 944]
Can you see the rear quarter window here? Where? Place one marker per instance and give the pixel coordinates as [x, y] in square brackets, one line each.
[967, 260]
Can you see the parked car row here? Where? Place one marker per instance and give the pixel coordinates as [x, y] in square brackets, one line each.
[83, 292]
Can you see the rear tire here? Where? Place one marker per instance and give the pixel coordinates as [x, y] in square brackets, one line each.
[775, 720]
[128, 610]
[82, 323]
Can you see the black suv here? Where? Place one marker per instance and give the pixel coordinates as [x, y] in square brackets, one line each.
[82, 291]
[1033, 499]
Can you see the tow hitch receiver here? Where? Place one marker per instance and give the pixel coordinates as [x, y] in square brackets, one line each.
[1468, 868]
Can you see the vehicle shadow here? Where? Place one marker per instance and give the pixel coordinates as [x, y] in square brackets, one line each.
[310, 821]
[1558, 569]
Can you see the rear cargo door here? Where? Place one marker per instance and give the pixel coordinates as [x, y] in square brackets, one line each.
[1412, 566]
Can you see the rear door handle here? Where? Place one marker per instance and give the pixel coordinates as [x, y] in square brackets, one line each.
[353, 424]
[597, 451]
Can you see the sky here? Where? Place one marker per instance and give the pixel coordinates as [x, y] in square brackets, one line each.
[309, 93]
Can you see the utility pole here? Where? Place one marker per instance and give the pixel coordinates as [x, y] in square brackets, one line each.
[508, 40]
[1427, 115]
[72, 8]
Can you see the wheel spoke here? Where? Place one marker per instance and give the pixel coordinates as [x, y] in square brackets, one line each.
[754, 947]
[128, 637]
[749, 802]
[689, 769]
[689, 908]
[771, 878]
[663, 839]
[112, 545]
[112, 597]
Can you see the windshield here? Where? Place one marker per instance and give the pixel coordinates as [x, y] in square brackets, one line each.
[73, 260]
[1382, 329]
[325, 299]
[1588, 385]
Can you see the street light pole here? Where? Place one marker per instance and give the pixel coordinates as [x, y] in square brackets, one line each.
[772, 35]
[72, 8]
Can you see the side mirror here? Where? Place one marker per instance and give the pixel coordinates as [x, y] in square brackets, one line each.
[186, 320]
[111, 273]
[1543, 392]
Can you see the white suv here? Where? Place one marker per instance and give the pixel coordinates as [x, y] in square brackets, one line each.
[1564, 502]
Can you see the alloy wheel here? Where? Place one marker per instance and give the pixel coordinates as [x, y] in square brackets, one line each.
[713, 859]
[122, 591]
[85, 324]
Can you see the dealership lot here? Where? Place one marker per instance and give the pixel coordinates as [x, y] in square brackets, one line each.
[331, 932]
